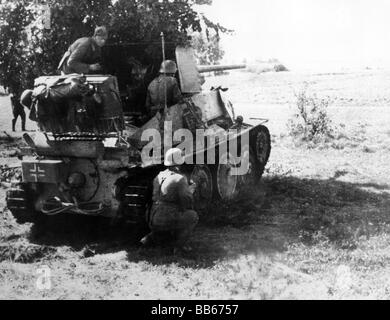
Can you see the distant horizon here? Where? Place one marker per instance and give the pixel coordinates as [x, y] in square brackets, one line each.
[327, 65]
[332, 34]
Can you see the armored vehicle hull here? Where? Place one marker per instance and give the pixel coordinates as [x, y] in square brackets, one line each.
[87, 160]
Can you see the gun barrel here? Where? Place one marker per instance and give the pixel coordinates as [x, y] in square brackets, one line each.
[203, 69]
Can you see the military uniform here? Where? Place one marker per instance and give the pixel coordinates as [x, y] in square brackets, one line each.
[18, 110]
[172, 203]
[160, 87]
[80, 55]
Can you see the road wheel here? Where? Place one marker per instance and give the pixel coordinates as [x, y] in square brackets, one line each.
[253, 175]
[203, 195]
[225, 181]
[262, 147]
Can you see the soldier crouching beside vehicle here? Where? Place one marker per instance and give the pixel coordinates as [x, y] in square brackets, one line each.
[85, 54]
[171, 213]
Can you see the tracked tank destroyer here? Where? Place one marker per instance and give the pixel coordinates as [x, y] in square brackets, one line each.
[87, 159]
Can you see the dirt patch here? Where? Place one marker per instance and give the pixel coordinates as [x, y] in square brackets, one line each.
[8, 141]
[25, 253]
[9, 174]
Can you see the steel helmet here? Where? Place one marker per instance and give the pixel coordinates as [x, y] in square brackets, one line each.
[101, 32]
[173, 157]
[168, 66]
[26, 98]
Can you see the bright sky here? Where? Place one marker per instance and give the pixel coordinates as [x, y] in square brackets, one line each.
[300, 32]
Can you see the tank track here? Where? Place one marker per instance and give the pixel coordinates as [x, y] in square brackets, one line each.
[135, 202]
[19, 203]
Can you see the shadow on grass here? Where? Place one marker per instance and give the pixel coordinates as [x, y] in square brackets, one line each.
[281, 209]
[80, 232]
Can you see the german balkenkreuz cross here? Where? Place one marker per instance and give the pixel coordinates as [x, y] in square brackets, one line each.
[37, 172]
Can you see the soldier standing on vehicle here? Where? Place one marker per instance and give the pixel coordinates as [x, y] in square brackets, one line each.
[164, 90]
[17, 111]
[172, 212]
[85, 54]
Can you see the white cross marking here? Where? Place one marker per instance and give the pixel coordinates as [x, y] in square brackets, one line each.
[36, 172]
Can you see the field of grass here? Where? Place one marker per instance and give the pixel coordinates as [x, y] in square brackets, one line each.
[317, 227]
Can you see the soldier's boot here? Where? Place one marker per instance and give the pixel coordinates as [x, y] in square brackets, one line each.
[148, 240]
[13, 124]
[157, 238]
[182, 236]
[23, 126]
[188, 222]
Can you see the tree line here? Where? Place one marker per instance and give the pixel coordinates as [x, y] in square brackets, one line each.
[34, 34]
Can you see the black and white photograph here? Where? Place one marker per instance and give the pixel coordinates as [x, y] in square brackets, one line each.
[194, 150]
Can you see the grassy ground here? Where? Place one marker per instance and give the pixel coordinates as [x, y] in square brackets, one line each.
[322, 231]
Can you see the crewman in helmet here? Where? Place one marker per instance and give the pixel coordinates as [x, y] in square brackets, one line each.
[171, 213]
[85, 54]
[163, 90]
